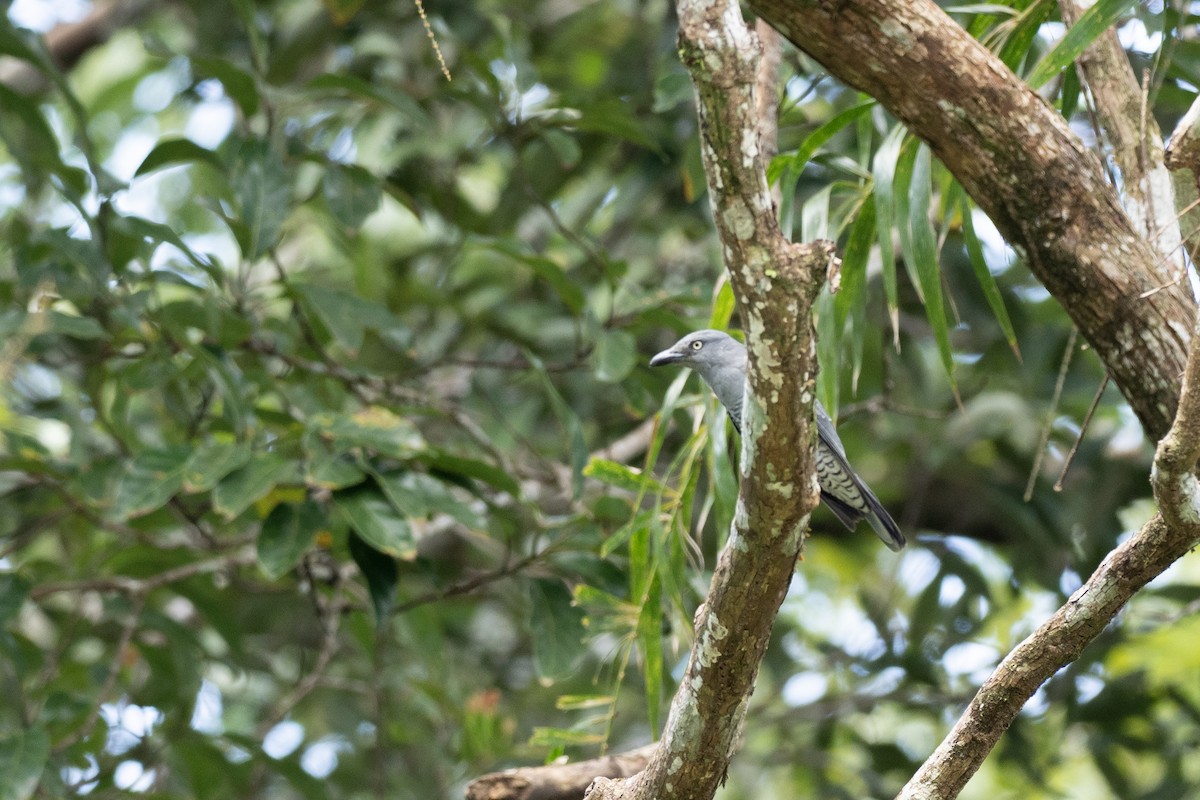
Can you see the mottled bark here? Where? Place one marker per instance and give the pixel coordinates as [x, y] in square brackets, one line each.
[1018, 159]
[775, 283]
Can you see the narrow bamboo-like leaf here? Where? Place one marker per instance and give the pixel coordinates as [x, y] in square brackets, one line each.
[1029, 23]
[851, 302]
[649, 637]
[904, 190]
[829, 340]
[723, 304]
[814, 216]
[987, 282]
[621, 476]
[1094, 22]
[883, 171]
[924, 251]
[285, 536]
[816, 140]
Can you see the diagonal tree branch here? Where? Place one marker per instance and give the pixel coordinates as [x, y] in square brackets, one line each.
[1019, 160]
[775, 282]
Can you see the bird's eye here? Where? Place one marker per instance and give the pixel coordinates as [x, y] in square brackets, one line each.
[697, 345]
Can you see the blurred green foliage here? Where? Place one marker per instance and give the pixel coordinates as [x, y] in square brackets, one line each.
[331, 465]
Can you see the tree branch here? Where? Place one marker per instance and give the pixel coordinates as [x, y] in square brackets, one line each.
[775, 283]
[1020, 161]
[1133, 133]
[557, 781]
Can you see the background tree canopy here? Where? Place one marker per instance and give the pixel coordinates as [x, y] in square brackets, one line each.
[332, 466]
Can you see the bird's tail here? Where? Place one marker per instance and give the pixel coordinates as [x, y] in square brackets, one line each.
[881, 521]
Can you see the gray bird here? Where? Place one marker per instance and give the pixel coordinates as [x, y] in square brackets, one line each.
[721, 361]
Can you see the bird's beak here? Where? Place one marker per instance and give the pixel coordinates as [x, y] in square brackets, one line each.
[670, 356]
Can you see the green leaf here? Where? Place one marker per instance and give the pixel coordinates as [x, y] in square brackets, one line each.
[987, 281]
[286, 535]
[351, 192]
[555, 276]
[883, 170]
[621, 476]
[420, 496]
[851, 301]
[376, 429]
[723, 305]
[569, 421]
[471, 468]
[557, 627]
[239, 84]
[212, 461]
[377, 521]
[171, 152]
[13, 591]
[75, 327]
[240, 488]
[151, 479]
[23, 756]
[615, 354]
[1091, 25]
[1022, 37]
[649, 638]
[381, 573]
[346, 316]
[815, 141]
[814, 215]
[924, 251]
[263, 189]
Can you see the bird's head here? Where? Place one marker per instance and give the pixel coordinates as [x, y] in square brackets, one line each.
[702, 351]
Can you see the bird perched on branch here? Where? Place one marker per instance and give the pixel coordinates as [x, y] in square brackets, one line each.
[721, 361]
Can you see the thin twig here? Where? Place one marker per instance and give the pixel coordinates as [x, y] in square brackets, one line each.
[1058, 390]
[1087, 420]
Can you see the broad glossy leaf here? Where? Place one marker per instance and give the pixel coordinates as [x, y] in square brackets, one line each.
[351, 192]
[239, 84]
[376, 429]
[286, 535]
[421, 496]
[23, 756]
[262, 187]
[381, 573]
[212, 461]
[241, 488]
[13, 590]
[151, 479]
[557, 627]
[172, 152]
[615, 354]
[347, 316]
[377, 521]
[474, 469]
